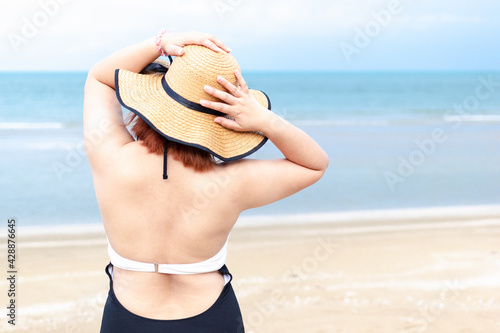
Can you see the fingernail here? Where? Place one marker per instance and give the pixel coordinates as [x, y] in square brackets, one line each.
[219, 78]
[229, 49]
[207, 88]
[203, 102]
[236, 72]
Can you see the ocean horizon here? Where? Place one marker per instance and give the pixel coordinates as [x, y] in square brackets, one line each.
[396, 140]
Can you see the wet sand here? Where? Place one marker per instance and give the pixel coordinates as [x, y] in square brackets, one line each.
[438, 275]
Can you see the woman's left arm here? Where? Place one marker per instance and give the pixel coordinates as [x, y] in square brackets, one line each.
[104, 128]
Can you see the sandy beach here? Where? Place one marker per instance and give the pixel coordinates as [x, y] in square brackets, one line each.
[436, 272]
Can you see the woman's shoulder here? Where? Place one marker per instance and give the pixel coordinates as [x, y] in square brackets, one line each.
[123, 162]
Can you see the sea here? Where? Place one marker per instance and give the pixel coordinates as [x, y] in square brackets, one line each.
[396, 140]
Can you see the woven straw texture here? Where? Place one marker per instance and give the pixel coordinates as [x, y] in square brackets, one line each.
[188, 74]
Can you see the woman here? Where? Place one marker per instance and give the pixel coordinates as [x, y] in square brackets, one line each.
[168, 235]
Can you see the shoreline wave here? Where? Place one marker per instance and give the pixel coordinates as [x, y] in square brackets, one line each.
[32, 125]
[351, 121]
[380, 220]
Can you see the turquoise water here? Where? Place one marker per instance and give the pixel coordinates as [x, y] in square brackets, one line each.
[376, 127]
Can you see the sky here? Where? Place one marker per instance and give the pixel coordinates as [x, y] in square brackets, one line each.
[320, 35]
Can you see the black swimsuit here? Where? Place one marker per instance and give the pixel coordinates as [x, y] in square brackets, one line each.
[223, 316]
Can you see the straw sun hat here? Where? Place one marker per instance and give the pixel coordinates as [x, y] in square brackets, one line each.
[169, 103]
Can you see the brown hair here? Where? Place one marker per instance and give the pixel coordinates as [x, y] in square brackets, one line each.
[196, 158]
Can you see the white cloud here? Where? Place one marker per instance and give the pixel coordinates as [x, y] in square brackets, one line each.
[451, 18]
[93, 28]
[433, 23]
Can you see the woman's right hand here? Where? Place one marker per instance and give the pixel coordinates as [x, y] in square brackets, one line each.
[173, 42]
[248, 113]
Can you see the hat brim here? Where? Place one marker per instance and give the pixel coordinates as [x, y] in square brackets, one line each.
[145, 96]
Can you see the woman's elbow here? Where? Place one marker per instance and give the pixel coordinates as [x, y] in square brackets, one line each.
[324, 163]
[319, 173]
[93, 73]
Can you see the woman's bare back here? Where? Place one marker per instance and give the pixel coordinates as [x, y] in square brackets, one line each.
[184, 219]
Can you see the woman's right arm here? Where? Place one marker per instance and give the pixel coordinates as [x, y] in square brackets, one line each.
[297, 146]
[266, 181]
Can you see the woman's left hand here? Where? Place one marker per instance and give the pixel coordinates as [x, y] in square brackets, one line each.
[173, 43]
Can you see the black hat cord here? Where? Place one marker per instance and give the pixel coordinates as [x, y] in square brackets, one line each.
[159, 68]
[165, 152]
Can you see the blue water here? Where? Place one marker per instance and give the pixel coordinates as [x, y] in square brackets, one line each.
[376, 127]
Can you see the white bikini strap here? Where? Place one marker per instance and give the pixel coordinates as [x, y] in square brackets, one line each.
[209, 265]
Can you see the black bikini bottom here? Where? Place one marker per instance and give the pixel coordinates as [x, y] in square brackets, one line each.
[223, 316]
